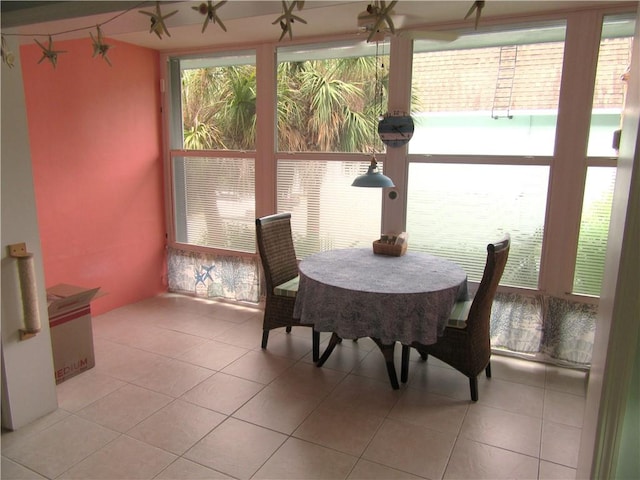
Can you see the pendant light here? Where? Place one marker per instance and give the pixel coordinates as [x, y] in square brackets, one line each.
[374, 178]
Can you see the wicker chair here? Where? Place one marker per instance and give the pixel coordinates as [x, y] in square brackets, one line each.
[280, 266]
[465, 344]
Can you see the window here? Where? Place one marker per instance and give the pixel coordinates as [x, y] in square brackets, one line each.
[594, 230]
[329, 100]
[493, 93]
[212, 162]
[330, 97]
[456, 210]
[327, 212]
[614, 59]
[486, 103]
[609, 95]
[215, 202]
[219, 103]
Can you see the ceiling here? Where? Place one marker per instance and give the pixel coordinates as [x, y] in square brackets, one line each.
[246, 21]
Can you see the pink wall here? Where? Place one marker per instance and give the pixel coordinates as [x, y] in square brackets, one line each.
[95, 137]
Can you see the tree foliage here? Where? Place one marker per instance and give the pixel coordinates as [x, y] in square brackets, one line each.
[323, 105]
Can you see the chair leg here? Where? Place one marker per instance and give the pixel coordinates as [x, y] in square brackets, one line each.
[265, 338]
[404, 367]
[333, 341]
[316, 345]
[473, 385]
[487, 370]
[288, 328]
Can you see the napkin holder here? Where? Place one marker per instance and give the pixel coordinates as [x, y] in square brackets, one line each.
[394, 246]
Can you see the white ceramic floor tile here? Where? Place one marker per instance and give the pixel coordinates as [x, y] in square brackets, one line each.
[366, 470]
[57, 448]
[510, 431]
[11, 470]
[245, 335]
[223, 393]
[125, 408]
[411, 448]
[518, 370]
[307, 379]
[553, 471]
[259, 366]
[125, 458]
[168, 342]
[420, 407]
[159, 380]
[343, 358]
[288, 345]
[513, 397]
[440, 380]
[84, 389]
[173, 378]
[565, 408]
[213, 355]
[236, 448]
[347, 431]
[183, 469]
[363, 394]
[280, 410]
[9, 438]
[560, 444]
[566, 380]
[194, 324]
[126, 363]
[231, 312]
[177, 427]
[473, 460]
[297, 459]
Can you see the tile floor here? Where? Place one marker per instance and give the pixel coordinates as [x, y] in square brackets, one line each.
[182, 390]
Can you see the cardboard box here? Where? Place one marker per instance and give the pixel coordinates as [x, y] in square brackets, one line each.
[71, 332]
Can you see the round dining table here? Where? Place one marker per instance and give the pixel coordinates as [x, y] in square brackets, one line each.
[355, 293]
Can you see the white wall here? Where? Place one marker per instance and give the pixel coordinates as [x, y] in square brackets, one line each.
[28, 385]
[610, 396]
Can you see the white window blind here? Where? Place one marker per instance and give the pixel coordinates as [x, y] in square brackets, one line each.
[594, 230]
[215, 202]
[455, 210]
[327, 212]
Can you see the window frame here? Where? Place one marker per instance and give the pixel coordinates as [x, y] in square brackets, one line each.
[567, 166]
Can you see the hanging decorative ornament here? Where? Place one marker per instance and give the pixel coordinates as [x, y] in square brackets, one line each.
[99, 47]
[8, 57]
[209, 10]
[382, 13]
[49, 53]
[396, 129]
[157, 21]
[287, 18]
[477, 6]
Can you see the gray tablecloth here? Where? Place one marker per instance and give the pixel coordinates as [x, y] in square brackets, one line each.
[356, 294]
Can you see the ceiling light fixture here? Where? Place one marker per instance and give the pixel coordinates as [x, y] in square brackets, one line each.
[374, 178]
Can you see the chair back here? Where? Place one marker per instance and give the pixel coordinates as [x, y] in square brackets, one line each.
[480, 312]
[277, 253]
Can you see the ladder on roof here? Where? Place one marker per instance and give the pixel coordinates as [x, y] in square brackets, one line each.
[501, 107]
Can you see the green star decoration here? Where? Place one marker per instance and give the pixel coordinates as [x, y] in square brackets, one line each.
[99, 47]
[209, 9]
[49, 53]
[287, 18]
[157, 21]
